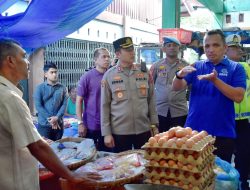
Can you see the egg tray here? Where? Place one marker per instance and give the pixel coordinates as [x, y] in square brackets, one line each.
[207, 185]
[179, 175]
[179, 165]
[198, 146]
[185, 156]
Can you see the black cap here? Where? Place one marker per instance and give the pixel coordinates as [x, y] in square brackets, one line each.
[123, 43]
[47, 66]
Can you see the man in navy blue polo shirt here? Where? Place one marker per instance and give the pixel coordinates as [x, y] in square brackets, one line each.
[216, 84]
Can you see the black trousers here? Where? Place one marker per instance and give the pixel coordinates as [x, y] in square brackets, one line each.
[49, 133]
[98, 139]
[125, 142]
[225, 148]
[242, 154]
[165, 123]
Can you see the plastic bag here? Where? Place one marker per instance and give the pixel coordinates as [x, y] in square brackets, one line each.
[227, 176]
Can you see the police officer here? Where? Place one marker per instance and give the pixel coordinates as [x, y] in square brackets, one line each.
[242, 114]
[171, 105]
[127, 101]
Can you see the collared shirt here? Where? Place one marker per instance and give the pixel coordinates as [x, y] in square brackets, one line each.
[167, 99]
[89, 87]
[18, 167]
[209, 109]
[127, 101]
[50, 101]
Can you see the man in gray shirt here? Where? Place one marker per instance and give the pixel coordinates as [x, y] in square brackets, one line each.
[171, 105]
[127, 101]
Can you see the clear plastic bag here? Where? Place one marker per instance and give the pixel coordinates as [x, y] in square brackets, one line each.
[227, 176]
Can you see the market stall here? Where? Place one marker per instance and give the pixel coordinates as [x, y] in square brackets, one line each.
[180, 158]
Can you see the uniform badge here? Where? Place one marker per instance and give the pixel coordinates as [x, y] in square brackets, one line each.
[143, 89]
[117, 78]
[140, 75]
[103, 83]
[119, 95]
[162, 67]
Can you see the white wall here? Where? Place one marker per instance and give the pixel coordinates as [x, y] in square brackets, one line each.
[235, 20]
[107, 28]
[108, 32]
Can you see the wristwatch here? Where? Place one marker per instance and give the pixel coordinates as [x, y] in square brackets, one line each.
[79, 122]
[178, 77]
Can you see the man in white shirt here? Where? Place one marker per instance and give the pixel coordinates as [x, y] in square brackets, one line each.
[20, 142]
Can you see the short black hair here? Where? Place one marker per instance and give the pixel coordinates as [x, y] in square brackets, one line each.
[49, 65]
[7, 47]
[217, 31]
[70, 88]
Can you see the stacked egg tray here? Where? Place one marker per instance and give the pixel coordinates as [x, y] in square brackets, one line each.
[198, 146]
[173, 160]
[187, 160]
[186, 177]
[208, 185]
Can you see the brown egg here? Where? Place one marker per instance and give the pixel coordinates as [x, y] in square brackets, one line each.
[152, 141]
[190, 166]
[179, 142]
[171, 133]
[203, 133]
[171, 182]
[163, 180]
[162, 162]
[180, 133]
[180, 164]
[177, 173]
[180, 183]
[167, 172]
[188, 130]
[190, 143]
[198, 136]
[161, 141]
[165, 134]
[194, 132]
[157, 137]
[171, 163]
[170, 142]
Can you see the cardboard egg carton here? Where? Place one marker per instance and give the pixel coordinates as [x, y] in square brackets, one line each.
[175, 164]
[207, 185]
[180, 175]
[198, 146]
[184, 156]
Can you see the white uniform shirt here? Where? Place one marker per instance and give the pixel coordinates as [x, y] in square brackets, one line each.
[19, 169]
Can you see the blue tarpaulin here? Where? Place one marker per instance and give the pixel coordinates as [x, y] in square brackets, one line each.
[46, 21]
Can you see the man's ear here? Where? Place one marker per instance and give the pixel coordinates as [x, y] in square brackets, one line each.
[163, 49]
[45, 74]
[117, 54]
[11, 60]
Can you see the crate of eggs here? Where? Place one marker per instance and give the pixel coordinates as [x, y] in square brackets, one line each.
[181, 157]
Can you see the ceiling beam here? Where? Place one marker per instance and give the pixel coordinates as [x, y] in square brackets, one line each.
[215, 6]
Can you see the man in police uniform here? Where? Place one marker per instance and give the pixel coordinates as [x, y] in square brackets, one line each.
[171, 105]
[242, 114]
[127, 101]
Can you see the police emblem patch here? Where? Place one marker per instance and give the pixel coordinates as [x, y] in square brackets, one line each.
[140, 75]
[117, 78]
[119, 95]
[162, 67]
[103, 83]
